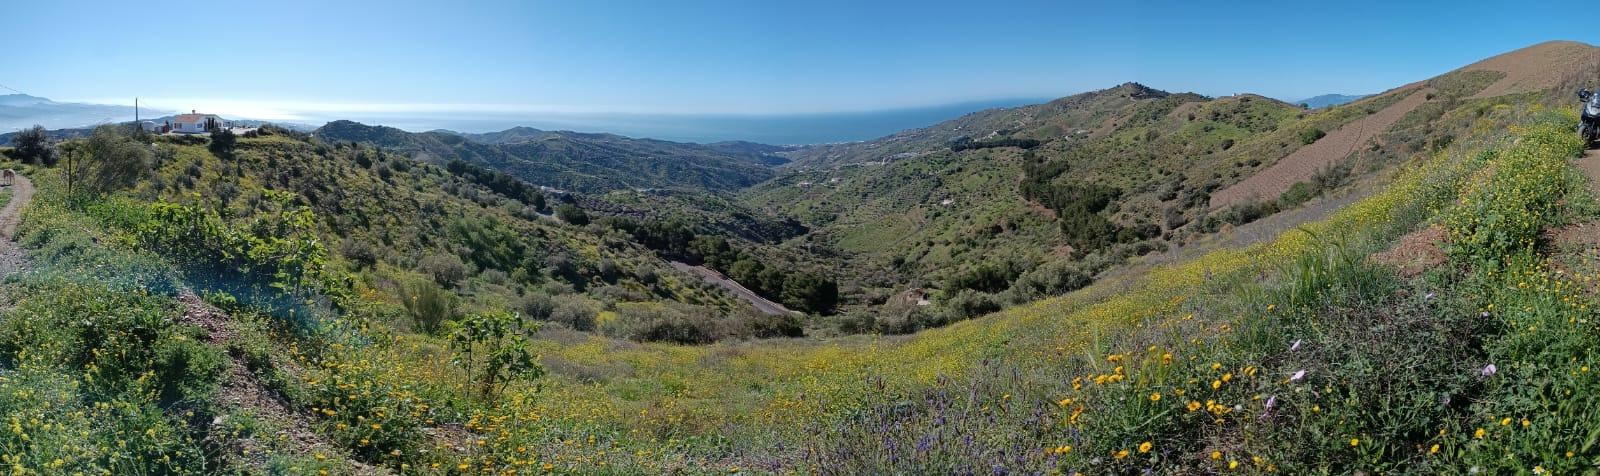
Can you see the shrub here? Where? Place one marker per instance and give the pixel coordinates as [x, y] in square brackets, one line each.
[445, 269]
[750, 323]
[1308, 136]
[359, 252]
[570, 213]
[574, 311]
[966, 304]
[223, 141]
[492, 348]
[668, 322]
[33, 146]
[429, 305]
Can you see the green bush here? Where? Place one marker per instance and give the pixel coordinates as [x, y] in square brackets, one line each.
[429, 305]
[670, 322]
[1307, 136]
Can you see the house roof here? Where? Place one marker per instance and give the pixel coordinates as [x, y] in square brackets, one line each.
[192, 117]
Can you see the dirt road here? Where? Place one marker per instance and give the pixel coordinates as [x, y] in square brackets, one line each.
[11, 257]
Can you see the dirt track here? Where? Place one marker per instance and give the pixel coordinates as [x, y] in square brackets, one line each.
[11, 257]
[1304, 162]
[1590, 165]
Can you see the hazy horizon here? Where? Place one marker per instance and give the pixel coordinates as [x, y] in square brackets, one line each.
[775, 129]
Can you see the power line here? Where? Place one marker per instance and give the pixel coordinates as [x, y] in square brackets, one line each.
[8, 88]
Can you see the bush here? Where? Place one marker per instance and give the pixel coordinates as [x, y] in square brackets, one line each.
[359, 252]
[1308, 136]
[666, 322]
[493, 350]
[223, 142]
[572, 311]
[429, 305]
[751, 323]
[570, 213]
[33, 146]
[445, 269]
[1052, 278]
[967, 304]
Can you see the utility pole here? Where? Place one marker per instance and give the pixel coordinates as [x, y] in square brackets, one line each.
[135, 109]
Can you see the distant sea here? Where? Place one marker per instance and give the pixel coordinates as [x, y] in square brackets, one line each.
[767, 129]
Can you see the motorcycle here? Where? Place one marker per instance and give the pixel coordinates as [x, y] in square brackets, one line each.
[1589, 120]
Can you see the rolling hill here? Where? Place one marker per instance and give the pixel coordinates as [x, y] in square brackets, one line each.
[573, 161]
[1019, 203]
[1327, 100]
[356, 302]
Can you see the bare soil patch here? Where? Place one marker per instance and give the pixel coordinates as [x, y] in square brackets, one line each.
[1416, 252]
[1542, 66]
[1304, 162]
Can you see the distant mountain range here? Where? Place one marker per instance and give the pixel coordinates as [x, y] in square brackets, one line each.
[578, 161]
[18, 111]
[1329, 100]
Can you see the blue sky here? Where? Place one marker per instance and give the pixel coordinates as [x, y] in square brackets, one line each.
[289, 57]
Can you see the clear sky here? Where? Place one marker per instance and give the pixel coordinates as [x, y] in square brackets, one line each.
[286, 57]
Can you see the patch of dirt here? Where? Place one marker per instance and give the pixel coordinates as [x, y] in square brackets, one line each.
[1416, 252]
[1542, 66]
[1582, 235]
[1577, 236]
[1589, 164]
[1304, 162]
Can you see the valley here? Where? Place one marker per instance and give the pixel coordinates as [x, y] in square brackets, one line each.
[1122, 281]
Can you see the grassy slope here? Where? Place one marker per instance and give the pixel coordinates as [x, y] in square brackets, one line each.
[876, 200]
[1172, 370]
[413, 213]
[1067, 382]
[792, 393]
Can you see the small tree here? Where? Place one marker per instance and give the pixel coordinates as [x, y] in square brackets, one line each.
[223, 141]
[429, 305]
[119, 159]
[34, 147]
[493, 350]
[109, 160]
[570, 213]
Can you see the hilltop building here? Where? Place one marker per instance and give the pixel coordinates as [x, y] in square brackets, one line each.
[196, 123]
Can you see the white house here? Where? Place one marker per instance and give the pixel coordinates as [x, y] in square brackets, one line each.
[195, 123]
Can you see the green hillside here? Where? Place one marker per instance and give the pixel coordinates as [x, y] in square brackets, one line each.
[1420, 298]
[571, 160]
